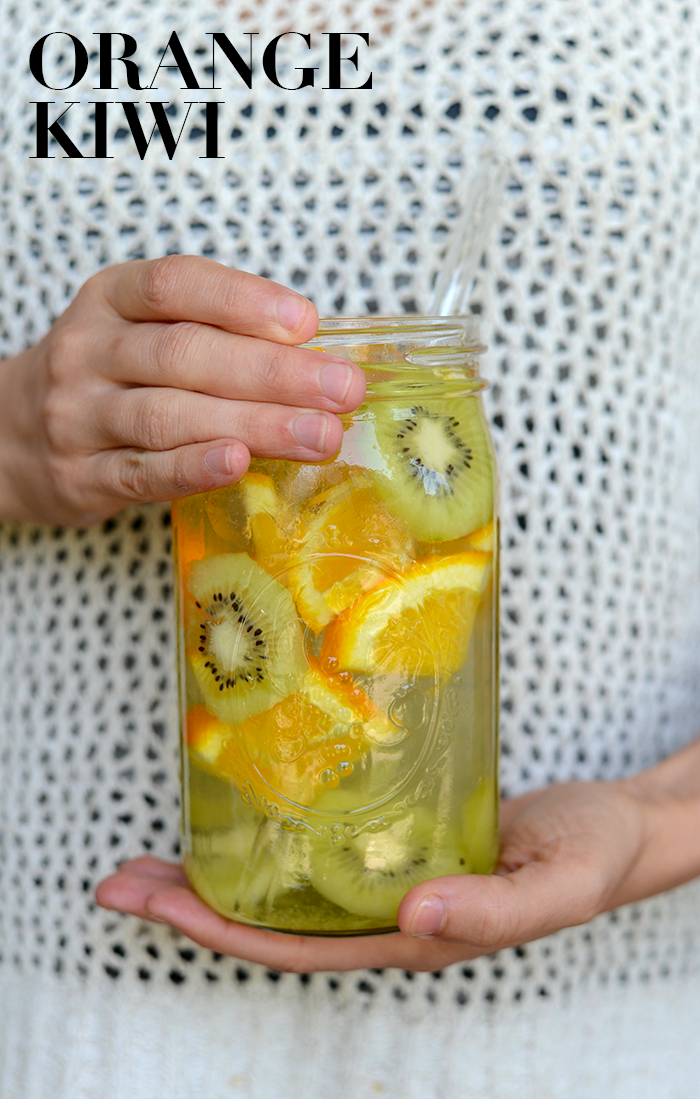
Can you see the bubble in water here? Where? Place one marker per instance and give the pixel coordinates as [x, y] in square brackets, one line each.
[329, 778]
[344, 768]
[339, 731]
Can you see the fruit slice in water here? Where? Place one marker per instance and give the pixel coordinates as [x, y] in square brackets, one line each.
[369, 873]
[306, 743]
[346, 542]
[205, 734]
[438, 471]
[267, 519]
[250, 864]
[188, 533]
[416, 624]
[276, 863]
[483, 539]
[243, 640]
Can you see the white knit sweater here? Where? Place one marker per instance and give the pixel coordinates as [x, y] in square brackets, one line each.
[590, 302]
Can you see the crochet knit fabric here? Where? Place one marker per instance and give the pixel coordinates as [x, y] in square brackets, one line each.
[588, 295]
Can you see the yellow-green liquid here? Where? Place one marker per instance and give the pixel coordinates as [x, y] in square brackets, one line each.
[417, 804]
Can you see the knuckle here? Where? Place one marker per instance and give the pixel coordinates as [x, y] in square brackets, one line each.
[250, 422]
[155, 422]
[136, 477]
[173, 347]
[159, 278]
[180, 479]
[64, 354]
[57, 420]
[274, 371]
[92, 290]
[131, 475]
[59, 471]
[300, 958]
[226, 289]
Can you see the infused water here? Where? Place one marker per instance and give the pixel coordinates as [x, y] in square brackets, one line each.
[338, 656]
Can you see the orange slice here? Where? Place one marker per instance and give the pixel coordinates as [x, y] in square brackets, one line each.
[205, 734]
[416, 624]
[483, 539]
[347, 541]
[267, 520]
[306, 743]
[188, 533]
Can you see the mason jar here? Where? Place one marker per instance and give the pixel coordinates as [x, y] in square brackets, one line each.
[338, 650]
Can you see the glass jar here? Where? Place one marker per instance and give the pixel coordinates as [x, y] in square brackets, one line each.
[338, 650]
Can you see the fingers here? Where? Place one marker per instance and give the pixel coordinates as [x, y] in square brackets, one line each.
[488, 913]
[158, 891]
[568, 853]
[202, 358]
[147, 866]
[484, 913]
[138, 473]
[131, 474]
[474, 915]
[133, 886]
[566, 849]
[191, 288]
[164, 419]
[129, 889]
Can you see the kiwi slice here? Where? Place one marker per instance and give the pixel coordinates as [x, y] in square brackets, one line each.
[369, 873]
[437, 471]
[244, 640]
[244, 871]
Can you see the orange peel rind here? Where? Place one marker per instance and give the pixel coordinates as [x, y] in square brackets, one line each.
[483, 539]
[205, 734]
[418, 623]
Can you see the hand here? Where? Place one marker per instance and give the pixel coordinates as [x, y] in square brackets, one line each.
[160, 380]
[569, 852]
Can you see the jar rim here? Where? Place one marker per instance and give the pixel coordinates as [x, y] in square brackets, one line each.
[405, 356]
[464, 329]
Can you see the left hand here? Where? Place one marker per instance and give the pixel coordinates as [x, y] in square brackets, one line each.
[569, 852]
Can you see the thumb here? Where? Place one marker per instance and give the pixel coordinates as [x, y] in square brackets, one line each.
[490, 912]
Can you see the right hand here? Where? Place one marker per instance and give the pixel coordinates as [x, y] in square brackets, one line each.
[569, 852]
[161, 379]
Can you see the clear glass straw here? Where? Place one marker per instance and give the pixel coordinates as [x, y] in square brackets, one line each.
[452, 290]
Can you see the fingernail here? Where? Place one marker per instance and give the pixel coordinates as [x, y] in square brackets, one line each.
[336, 379]
[217, 461]
[310, 430]
[428, 918]
[290, 310]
